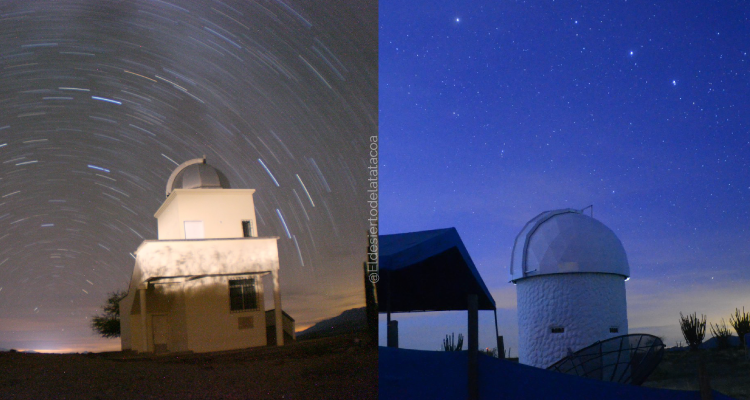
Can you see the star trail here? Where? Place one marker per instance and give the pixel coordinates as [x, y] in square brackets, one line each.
[101, 100]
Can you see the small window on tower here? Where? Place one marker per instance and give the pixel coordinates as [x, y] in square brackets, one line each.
[247, 228]
[557, 329]
[614, 329]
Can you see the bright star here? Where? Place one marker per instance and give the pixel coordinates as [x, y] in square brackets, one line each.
[674, 83]
[631, 52]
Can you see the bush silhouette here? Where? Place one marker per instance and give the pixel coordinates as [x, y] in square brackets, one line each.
[741, 323]
[448, 344]
[721, 333]
[108, 323]
[693, 329]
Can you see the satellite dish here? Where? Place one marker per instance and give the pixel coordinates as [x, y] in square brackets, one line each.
[626, 359]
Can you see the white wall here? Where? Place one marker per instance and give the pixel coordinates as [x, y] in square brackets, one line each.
[212, 326]
[199, 314]
[585, 304]
[221, 210]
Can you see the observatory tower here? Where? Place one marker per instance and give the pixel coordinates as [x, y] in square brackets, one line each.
[569, 270]
[200, 286]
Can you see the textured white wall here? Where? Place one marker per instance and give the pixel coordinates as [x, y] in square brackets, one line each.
[585, 304]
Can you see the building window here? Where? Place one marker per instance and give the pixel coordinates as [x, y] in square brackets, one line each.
[247, 228]
[557, 329]
[614, 329]
[242, 295]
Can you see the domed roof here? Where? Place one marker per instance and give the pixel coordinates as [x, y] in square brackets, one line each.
[196, 174]
[566, 241]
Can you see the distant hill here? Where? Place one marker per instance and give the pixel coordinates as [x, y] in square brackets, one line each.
[734, 341]
[348, 321]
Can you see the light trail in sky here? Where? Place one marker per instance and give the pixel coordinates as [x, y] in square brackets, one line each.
[107, 100]
[269, 172]
[306, 192]
[281, 217]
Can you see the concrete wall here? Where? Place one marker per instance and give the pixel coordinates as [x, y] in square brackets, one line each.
[168, 223]
[165, 300]
[212, 326]
[125, 324]
[192, 307]
[198, 315]
[586, 305]
[221, 210]
[287, 323]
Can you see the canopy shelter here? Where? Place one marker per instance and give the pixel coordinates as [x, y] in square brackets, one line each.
[432, 271]
[428, 271]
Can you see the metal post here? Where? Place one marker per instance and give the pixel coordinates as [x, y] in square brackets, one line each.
[277, 310]
[473, 308]
[393, 334]
[391, 326]
[500, 344]
[144, 319]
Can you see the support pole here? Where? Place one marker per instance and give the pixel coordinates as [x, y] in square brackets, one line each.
[277, 309]
[393, 334]
[391, 326]
[500, 344]
[144, 319]
[473, 308]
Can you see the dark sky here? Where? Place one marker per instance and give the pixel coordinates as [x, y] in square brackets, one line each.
[99, 102]
[492, 112]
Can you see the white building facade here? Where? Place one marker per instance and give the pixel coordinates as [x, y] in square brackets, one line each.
[199, 287]
[569, 270]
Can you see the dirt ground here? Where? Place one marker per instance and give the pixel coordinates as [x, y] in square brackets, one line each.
[728, 371]
[342, 367]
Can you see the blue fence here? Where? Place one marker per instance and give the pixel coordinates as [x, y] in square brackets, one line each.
[415, 374]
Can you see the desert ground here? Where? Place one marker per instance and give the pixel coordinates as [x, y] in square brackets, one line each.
[341, 367]
[728, 371]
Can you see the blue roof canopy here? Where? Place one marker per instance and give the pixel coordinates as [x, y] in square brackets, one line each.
[428, 271]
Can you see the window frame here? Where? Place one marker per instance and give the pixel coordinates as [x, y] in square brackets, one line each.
[243, 295]
[249, 231]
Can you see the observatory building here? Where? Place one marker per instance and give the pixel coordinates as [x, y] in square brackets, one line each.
[569, 270]
[200, 287]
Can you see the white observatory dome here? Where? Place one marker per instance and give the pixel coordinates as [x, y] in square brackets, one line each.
[196, 174]
[566, 241]
[569, 270]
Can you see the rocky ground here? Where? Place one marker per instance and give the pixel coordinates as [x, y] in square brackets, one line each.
[341, 367]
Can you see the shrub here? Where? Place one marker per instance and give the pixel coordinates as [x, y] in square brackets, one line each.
[107, 324]
[741, 323]
[448, 344]
[721, 333]
[492, 352]
[693, 329]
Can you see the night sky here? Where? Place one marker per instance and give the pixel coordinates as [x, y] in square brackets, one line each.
[101, 100]
[492, 112]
